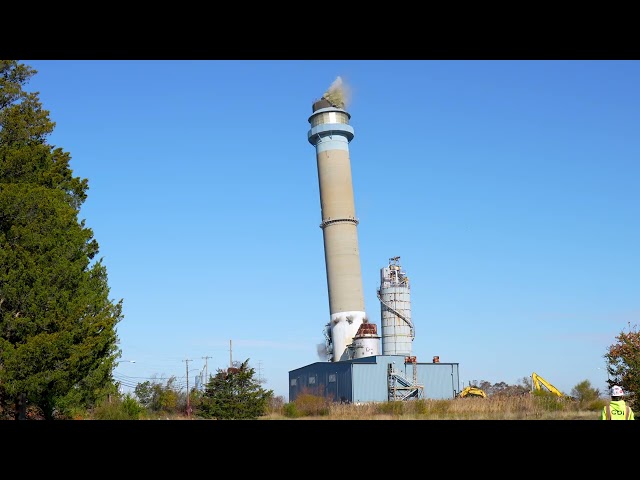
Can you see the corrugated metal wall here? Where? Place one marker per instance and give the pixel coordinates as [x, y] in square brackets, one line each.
[331, 380]
[366, 379]
[370, 381]
[441, 380]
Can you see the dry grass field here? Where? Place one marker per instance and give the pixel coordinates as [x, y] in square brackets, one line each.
[528, 407]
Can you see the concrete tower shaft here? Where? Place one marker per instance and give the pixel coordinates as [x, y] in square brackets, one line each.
[330, 134]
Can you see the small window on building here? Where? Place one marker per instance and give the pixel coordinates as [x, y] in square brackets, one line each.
[312, 380]
[332, 377]
[293, 382]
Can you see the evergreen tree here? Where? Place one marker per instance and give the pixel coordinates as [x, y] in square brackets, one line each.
[234, 394]
[58, 341]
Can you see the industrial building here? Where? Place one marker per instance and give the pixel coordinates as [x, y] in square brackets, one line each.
[378, 378]
[356, 370]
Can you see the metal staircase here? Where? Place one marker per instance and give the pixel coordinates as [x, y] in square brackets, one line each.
[400, 387]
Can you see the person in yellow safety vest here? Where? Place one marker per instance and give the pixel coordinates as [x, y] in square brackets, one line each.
[617, 409]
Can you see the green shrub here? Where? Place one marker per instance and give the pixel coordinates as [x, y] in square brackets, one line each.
[126, 408]
[391, 408]
[131, 406]
[289, 410]
[312, 405]
[596, 405]
[549, 402]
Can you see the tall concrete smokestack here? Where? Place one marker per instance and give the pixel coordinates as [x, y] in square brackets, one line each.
[330, 134]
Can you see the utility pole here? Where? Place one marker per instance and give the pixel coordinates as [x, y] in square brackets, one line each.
[230, 356]
[188, 394]
[259, 372]
[206, 372]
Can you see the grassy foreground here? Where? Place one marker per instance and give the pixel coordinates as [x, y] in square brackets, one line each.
[528, 407]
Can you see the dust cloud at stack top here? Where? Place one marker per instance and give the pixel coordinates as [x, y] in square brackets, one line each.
[330, 134]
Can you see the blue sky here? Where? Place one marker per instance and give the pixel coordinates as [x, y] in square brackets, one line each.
[509, 189]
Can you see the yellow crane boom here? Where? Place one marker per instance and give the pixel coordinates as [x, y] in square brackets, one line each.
[537, 381]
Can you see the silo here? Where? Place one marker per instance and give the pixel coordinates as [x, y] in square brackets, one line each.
[395, 304]
[330, 134]
[366, 342]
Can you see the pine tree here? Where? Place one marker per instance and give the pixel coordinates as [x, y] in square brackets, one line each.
[58, 341]
[234, 394]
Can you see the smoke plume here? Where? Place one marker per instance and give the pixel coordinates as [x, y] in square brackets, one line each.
[338, 94]
[322, 351]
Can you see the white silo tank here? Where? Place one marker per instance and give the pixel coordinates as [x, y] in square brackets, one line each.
[366, 341]
[395, 305]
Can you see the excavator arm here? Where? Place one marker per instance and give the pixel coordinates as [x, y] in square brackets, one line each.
[537, 381]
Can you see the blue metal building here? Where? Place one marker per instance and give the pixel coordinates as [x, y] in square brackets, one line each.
[379, 378]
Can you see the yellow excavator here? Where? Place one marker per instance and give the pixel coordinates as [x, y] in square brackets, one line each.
[537, 381]
[472, 391]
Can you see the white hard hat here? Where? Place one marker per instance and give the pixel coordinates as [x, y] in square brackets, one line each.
[617, 391]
